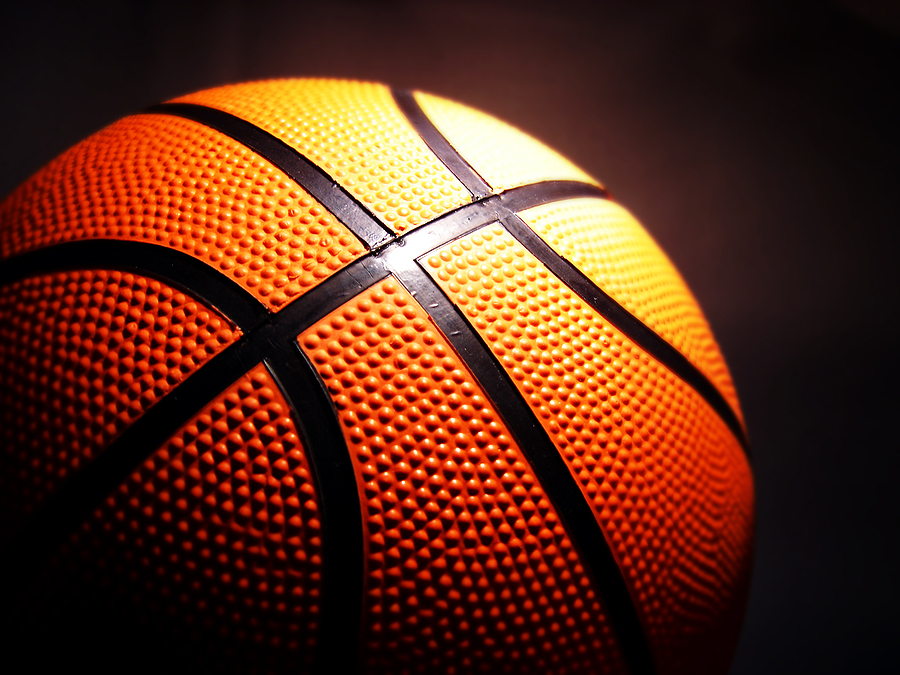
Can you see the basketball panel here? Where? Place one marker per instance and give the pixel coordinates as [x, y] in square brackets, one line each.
[669, 483]
[356, 134]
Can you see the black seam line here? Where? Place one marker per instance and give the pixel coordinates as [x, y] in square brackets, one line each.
[74, 500]
[176, 268]
[632, 327]
[547, 462]
[439, 144]
[301, 170]
[339, 506]
[534, 194]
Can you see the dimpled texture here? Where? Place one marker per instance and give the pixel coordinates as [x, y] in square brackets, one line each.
[611, 248]
[173, 182]
[501, 154]
[669, 484]
[82, 355]
[216, 534]
[355, 132]
[468, 567]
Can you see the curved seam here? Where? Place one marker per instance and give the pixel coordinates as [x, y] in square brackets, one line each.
[176, 268]
[339, 506]
[632, 327]
[338, 201]
[439, 145]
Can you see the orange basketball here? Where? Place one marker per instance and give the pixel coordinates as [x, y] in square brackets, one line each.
[315, 376]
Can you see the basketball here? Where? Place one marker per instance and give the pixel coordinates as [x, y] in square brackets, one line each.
[320, 376]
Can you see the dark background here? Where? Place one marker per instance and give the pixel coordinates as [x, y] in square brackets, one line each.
[759, 142]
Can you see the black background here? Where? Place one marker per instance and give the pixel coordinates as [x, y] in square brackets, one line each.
[759, 142]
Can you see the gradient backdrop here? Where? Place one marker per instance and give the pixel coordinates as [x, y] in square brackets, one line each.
[757, 141]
